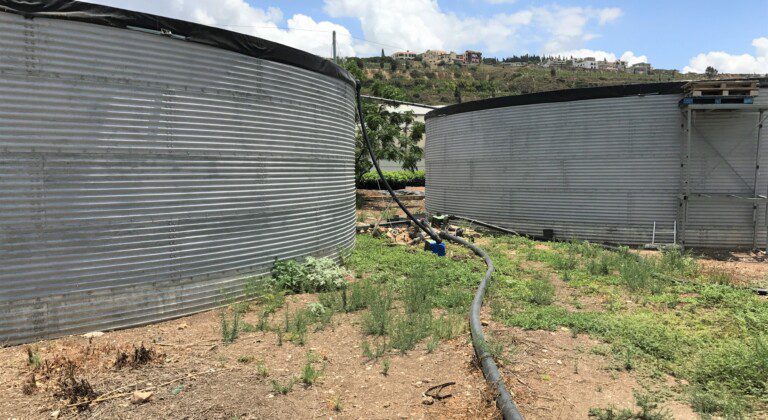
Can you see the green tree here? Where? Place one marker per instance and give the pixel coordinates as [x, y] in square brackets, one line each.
[711, 72]
[394, 136]
[381, 60]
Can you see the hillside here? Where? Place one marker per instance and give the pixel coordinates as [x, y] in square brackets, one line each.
[451, 84]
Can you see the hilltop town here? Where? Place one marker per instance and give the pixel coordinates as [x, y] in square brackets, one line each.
[436, 58]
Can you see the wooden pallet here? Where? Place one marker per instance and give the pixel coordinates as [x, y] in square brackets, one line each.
[723, 88]
[716, 100]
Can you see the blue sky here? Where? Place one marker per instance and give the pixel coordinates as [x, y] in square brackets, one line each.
[684, 34]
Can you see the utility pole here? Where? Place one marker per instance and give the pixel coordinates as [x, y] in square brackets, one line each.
[334, 48]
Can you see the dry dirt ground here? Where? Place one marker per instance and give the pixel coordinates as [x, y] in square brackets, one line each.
[375, 202]
[193, 375]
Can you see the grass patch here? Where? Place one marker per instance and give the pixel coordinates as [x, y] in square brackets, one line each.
[659, 314]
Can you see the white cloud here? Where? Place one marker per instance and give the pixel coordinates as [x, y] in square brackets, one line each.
[421, 24]
[729, 63]
[500, 1]
[609, 15]
[400, 24]
[628, 56]
[567, 26]
[239, 16]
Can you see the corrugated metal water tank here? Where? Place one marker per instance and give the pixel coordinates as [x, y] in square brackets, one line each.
[143, 177]
[599, 164]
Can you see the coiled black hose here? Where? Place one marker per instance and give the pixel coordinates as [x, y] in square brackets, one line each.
[490, 370]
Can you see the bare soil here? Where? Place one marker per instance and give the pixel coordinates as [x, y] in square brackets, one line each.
[195, 376]
[373, 203]
[556, 375]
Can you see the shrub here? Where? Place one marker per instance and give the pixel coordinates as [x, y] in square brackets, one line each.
[323, 274]
[315, 275]
[396, 179]
[289, 275]
[542, 292]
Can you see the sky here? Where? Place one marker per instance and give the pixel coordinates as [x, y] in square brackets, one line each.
[687, 35]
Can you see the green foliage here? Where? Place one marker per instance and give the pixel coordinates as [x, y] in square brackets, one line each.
[289, 275]
[323, 274]
[440, 85]
[296, 326]
[409, 330]
[385, 365]
[377, 320]
[393, 136]
[283, 389]
[315, 275]
[230, 330]
[396, 179]
[309, 374]
[699, 329]
[542, 292]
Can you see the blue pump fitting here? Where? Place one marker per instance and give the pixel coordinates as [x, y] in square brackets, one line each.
[436, 248]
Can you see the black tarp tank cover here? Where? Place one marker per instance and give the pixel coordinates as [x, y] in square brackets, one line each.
[565, 95]
[576, 94]
[191, 32]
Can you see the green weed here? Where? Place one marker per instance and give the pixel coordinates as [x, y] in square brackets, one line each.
[309, 374]
[230, 330]
[378, 318]
[283, 389]
[542, 292]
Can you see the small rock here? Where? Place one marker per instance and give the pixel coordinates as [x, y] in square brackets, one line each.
[140, 397]
[55, 414]
[484, 323]
[94, 334]
[427, 401]
[559, 362]
[183, 326]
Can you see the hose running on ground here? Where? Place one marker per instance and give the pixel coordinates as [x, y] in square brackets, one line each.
[491, 372]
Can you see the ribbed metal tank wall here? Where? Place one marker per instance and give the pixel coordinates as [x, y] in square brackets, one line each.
[597, 169]
[144, 177]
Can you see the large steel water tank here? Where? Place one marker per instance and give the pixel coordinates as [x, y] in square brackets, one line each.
[149, 165]
[604, 164]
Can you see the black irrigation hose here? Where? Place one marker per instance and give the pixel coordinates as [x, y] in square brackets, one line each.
[375, 161]
[491, 372]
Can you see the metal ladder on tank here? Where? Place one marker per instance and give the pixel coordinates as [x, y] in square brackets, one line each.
[655, 231]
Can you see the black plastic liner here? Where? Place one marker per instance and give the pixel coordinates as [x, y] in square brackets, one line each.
[192, 32]
[566, 95]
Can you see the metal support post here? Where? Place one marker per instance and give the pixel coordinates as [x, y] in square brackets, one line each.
[754, 185]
